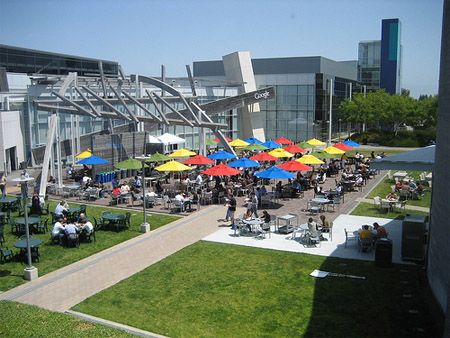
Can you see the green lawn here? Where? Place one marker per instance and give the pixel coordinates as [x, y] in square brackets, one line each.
[19, 320]
[366, 152]
[384, 188]
[371, 210]
[218, 290]
[54, 256]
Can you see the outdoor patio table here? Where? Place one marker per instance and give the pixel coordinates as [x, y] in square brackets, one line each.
[400, 175]
[31, 220]
[7, 200]
[253, 223]
[391, 202]
[348, 185]
[113, 217]
[34, 245]
[287, 228]
[302, 228]
[22, 243]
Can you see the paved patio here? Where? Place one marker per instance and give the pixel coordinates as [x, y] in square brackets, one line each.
[334, 248]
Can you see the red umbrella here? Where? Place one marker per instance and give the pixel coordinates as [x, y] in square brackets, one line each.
[342, 146]
[294, 166]
[226, 138]
[263, 157]
[221, 170]
[283, 140]
[199, 160]
[293, 149]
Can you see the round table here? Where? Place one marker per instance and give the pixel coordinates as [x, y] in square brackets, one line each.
[253, 223]
[113, 217]
[31, 220]
[8, 199]
[74, 210]
[22, 243]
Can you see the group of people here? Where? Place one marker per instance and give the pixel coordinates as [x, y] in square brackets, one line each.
[63, 230]
[372, 235]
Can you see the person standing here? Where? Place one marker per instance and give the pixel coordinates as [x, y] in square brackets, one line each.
[3, 185]
[231, 209]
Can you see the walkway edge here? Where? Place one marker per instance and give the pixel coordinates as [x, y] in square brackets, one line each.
[114, 325]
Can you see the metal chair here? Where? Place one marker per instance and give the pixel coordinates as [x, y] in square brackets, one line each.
[6, 254]
[42, 227]
[349, 236]
[176, 205]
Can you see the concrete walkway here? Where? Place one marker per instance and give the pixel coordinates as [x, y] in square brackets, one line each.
[66, 287]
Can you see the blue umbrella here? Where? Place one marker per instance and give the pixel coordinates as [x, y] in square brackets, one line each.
[221, 155]
[351, 143]
[274, 172]
[271, 144]
[92, 160]
[252, 140]
[244, 163]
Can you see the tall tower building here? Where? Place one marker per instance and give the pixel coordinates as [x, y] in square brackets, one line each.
[391, 50]
[379, 61]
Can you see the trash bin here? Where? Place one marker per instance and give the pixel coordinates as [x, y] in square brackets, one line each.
[383, 253]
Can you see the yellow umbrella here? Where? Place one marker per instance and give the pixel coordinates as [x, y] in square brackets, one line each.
[309, 159]
[84, 154]
[182, 153]
[315, 142]
[173, 166]
[238, 143]
[334, 151]
[279, 152]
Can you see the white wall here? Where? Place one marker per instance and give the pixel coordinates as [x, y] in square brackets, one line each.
[10, 136]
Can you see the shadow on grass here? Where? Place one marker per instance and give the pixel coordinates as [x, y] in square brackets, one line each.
[388, 302]
[4, 273]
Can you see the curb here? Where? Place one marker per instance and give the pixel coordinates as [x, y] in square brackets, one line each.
[114, 325]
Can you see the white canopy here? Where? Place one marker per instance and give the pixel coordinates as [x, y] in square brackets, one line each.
[153, 139]
[170, 139]
[419, 159]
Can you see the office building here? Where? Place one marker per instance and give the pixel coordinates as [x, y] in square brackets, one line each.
[379, 61]
[301, 107]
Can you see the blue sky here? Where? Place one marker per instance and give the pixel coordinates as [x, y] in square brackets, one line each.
[142, 35]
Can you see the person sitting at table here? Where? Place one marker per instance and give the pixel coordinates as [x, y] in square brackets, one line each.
[381, 231]
[58, 229]
[325, 225]
[180, 197]
[158, 187]
[392, 196]
[318, 190]
[115, 193]
[125, 188]
[365, 233]
[35, 205]
[359, 180]
[86, 226]
[398, 186]
[71, 232]
[86, 180]
[60, 209]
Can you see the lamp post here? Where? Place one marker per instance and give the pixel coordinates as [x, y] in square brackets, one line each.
[30, 272]
[331, 112]
[145, 227]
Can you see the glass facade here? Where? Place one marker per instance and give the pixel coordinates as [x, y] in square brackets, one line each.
[290, 113]
[21, 60]
[369, 54]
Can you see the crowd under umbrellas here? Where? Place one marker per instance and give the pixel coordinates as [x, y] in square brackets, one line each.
[257, 162]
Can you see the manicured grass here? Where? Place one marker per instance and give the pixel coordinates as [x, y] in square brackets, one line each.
[54, 256]
[371, 210]
[384, 188]
[218, 290]
[366, 152]
[20, 320]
